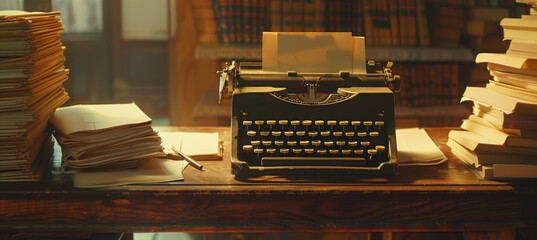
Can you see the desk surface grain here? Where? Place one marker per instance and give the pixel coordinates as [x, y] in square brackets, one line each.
[438, 198]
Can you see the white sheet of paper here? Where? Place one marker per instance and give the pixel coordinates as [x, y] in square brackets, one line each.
[416, 148]
[310, 52]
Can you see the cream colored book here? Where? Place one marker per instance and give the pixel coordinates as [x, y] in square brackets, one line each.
[507, 60]
[513, 91]
[478, 143]
[507, 104]
[499, 136]
[506, 69]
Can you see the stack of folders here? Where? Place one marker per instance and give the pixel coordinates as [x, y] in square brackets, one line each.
[105, 136]
[31, 76]
[500, 137]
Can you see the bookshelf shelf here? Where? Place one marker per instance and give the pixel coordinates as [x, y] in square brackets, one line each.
[217, 51]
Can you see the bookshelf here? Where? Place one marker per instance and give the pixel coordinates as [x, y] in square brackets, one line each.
[440, 58]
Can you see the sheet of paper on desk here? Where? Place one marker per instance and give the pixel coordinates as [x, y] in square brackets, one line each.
[198, 145]
[154, 170]
[416, 148]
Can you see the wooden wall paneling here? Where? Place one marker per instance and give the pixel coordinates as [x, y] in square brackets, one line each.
[189, 78]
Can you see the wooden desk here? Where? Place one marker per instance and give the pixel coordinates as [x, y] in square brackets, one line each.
[448, 197]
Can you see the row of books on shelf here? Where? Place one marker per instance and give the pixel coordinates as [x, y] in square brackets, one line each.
[387, 22]
[499, 139]
[428, 84]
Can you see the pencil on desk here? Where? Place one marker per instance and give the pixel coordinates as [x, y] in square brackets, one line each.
[188, 159]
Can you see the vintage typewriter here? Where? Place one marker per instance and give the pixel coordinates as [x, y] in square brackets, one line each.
[313, 124]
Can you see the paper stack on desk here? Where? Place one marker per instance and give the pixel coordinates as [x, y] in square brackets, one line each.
[105, 136]
[500, 137]
[31, 76]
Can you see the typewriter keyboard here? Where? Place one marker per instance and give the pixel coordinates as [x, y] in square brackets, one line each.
[313, 142]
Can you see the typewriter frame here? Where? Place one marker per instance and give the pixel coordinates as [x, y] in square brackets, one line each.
[238, 80]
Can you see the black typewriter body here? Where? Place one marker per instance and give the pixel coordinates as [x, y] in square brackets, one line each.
[312, 124]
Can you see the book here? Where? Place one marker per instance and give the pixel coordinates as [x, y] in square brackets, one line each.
[507, 69]
[521, 132]
[513, 91]
[477, 143]
[489, 13]
[510, 171]
[320, 15]
[276, 15]
[481, 27]
[521, 80]
[504, 138]
[478, 158]
[523, 45]
[502, 120]
[505, 103]
[507, 60]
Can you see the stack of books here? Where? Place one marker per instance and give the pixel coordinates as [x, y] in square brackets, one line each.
[500, 137]
[105, 136]
[31, 76]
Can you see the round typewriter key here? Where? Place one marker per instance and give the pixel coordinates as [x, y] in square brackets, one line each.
[321, 151]
[361, 134]
[309, 150]
[295, 122]
[306, 122]
[353, 143]
[372, 151]
[368, 123]
[267, 143]
[297, 150]
[365, 144]
[289, 133]
[284, 150]
[349, 134]
[331, 122]
[316, 143]
[380, 148]
[329, 143]
[341, 143]
[247, 147]
[259, 122]
[278, 143]
[301, 133]
[338, 134]
[271, 122]
[346, 151]
[258, 150]
[251, 133]
[355, 123]
[246, 123]
[319, 122]
[374, 134]
[283, 122]
[304, 143]
[313, 134]
[291, 143]
[264, 133]
[276, 133]
[271, 150]
[334, 151]
[358, 151]
[343, 123]
[255, 142]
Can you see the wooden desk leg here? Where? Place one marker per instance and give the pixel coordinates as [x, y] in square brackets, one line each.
[490, 235]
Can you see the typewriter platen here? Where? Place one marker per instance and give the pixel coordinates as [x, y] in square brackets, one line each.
[308, 123]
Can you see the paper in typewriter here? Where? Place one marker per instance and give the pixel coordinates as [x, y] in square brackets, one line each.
[307, 52]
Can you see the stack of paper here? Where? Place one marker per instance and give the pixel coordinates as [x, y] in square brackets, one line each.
[31, 76]
[500, 137]
[105, 136]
